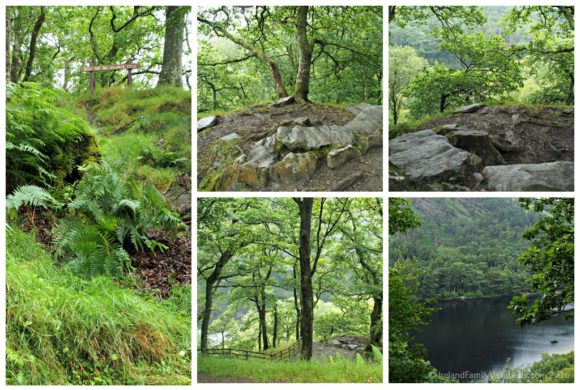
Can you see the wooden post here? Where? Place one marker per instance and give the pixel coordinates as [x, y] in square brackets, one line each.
[130, 77]
[92, 82]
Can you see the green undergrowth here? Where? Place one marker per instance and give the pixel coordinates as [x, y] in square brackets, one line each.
[552, 368]
[149, 131]
[332, 370]
[62, 329]
[45, 143]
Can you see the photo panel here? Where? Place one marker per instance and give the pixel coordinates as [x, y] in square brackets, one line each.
[289, 98]
[290, 290]
[98, 185]
[481, 98]
[481, 290]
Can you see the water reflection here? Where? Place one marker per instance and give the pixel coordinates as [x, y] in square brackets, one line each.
[474, 337]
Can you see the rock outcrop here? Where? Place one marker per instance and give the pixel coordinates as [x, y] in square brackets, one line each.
[487, 148]
[426, 157]
[206, 123]
[291, 155]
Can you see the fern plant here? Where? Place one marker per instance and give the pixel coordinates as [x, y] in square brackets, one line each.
[44, 143]
[31, 197]
[109, 216]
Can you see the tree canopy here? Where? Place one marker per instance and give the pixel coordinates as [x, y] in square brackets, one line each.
[50, 45]
[481, 54]
[550, 259]
[251, 54]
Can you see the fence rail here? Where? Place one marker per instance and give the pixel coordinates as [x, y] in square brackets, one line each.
[285, 353]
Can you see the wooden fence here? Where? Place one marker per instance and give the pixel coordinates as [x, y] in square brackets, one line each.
[286, 353]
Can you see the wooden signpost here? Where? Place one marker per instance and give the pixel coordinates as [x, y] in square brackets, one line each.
[100, 68]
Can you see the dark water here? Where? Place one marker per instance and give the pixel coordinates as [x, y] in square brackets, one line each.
[473, 337]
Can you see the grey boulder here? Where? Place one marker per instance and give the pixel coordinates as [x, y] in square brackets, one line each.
[552, 176]
[427, 156]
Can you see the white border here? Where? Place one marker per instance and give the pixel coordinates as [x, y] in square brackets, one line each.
[196, 195]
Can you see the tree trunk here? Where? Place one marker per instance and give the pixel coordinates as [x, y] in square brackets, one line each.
[171, 70]
[259, 336]
[8, 40]
[33, 40]
[210, 282]
[296, 304]
[206, 315]
[15, 69]
[265, 341]
[443, 102]
[302, 86]
[306, 295]
[376, 331]
[275, 330]
[262, 56]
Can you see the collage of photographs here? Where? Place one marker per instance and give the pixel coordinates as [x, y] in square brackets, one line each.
[311, 233]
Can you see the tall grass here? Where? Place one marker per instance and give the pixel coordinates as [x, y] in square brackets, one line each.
[332, 370]
[65, 330]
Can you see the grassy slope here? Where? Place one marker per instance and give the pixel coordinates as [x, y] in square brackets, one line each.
[336, 370]
[65, 330]
[148, 132]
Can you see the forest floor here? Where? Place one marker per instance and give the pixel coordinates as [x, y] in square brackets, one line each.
[258, 122]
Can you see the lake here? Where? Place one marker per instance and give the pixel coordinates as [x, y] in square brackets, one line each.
[473, 337]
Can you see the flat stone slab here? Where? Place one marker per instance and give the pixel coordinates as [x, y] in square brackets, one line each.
[424, 155]
[230, 137]
[367, 122]
[339, 156]
[283, 101]
[206, 122]
[468, 109]
[308, 138]
[552, 176]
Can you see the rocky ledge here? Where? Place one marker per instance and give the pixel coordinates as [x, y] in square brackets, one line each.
[483, 148]
[292, 154]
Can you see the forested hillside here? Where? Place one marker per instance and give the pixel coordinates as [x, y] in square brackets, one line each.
[98, 182]
[285, 280]
[488, 87]
[470, 301]
[466, 247]
[289, 98]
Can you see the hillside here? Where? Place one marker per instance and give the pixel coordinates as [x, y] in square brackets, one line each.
[466, 247]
